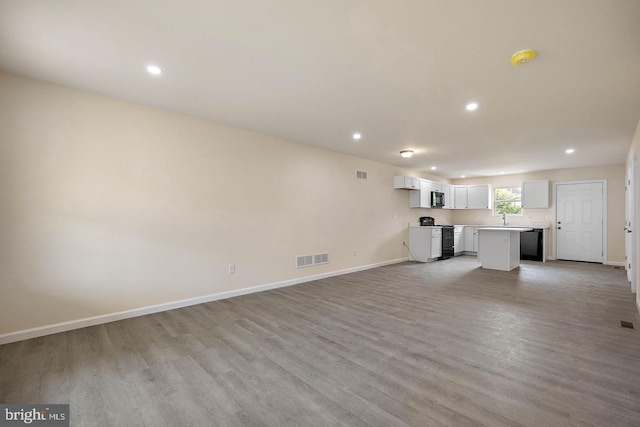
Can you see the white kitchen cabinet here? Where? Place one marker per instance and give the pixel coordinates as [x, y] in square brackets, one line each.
[500, 248]
[449, 195]
[425, 243]
[535, 194]
[468, 239]
[472, 196]
[436, 186]
[436, 242]
[421, 198]
[460, 197]
[479, 196]
[406, 182]
[458, 239]
[455, 196]
[470, 243]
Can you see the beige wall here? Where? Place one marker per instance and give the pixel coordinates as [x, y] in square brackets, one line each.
[614, 175]
[634, 150]
[107, 206]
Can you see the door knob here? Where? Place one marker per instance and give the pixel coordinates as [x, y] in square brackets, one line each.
[628, 231]
[559, 228]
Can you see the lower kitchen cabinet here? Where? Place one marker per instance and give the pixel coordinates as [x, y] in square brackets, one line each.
[425, 243]
[458, 239]
[470, 239]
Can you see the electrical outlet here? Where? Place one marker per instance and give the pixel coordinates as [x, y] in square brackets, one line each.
[354, 252]
[548, 216]
[232, 268]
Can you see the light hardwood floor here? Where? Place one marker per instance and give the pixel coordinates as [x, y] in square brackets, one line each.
[444, 343]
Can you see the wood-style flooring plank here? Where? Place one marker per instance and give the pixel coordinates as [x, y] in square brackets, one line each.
[410, 344]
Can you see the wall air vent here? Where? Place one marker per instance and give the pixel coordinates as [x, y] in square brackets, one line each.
[309, 260]
[321, 258]
[361, 175]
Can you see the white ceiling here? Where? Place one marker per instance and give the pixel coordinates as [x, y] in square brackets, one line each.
[398, 71]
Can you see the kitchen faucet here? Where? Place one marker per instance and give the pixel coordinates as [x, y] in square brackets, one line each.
[504, 219]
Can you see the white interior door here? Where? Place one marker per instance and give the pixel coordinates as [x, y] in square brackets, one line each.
[631, 212]
[579, 221]
[627, 222]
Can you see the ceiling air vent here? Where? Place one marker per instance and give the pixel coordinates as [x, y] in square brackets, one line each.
[361, 175]
[309, 260]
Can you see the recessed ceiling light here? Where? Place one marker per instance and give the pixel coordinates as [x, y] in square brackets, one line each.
[472, 106]
[357, 136]
[433, 168]
[569, 150]
[501, 172]
[154, 69]
[463, 176]
[406, 153]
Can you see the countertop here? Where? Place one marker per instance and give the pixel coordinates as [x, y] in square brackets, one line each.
[545, 225]
[505, 228]
[515, 224]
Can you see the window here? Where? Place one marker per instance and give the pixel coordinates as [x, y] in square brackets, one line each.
[508, 200]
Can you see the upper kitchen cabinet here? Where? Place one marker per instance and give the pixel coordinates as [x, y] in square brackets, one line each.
[406, 182]
[460, 197]
[535, 194]
[455, 196]
[449, 195]
[479, 196]
[472, 196]
[436, 186]
[421, 198]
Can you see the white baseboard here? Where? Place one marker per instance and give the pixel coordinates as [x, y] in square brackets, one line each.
[127, 314]
[614, 263]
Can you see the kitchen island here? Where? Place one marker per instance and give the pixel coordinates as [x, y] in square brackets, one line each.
[499, 247]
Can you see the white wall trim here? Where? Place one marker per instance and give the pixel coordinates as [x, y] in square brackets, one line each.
[614, 263]
[127, 314]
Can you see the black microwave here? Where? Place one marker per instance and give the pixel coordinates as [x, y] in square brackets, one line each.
[437, 199]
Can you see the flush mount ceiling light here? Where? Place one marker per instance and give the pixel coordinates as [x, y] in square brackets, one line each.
[569, 151]
[154, 69]
[522, 56]
[472, 106]
[406, 153]
[357, 136]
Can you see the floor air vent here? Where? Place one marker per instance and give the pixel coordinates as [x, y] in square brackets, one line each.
[309, 260]
[626, 324]
[361, 175]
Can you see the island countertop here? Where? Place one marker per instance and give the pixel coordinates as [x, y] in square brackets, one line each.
[505, 228]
